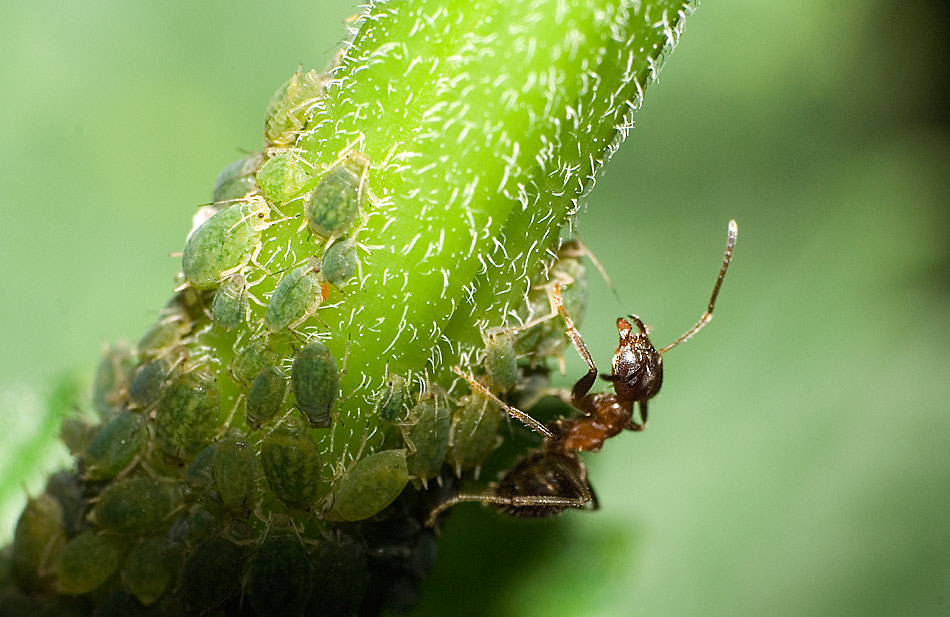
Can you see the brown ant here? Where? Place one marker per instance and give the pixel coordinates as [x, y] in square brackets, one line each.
[553, 478]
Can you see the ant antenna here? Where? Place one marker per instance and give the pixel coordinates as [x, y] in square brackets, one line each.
[524, 418]
[707, 316]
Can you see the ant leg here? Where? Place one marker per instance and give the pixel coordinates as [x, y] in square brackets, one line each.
[585, 383]
[634, 426]
[517, 414]
[522, 501]
[707, 316]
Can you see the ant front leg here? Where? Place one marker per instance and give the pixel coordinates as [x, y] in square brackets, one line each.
[579, 393]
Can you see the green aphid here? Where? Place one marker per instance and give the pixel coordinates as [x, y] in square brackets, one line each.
[501, 361]
[370, 485]
[147, 382]
[37, 540]
[112, 379]
[150, 567]
[339, 262]
[186, 415]
[427, 436]
[69, 492]
[165, 334]
[212, 574]
[473, 433]
[315, 381]
[288, 108]
[235, 473]
[291, 461]
[284, 176]
[237, 179]
[266, 397]
[202, 524]
[86, 562]
[296, 297]
[135, 505]
[225, 242]
[229, 307]
[199, 475]
[279, 577]
[341, 576]
[335, 203]
[114, 447]
[252, 359]
[391, 400]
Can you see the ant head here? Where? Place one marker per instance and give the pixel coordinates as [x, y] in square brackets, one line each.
[637, 365]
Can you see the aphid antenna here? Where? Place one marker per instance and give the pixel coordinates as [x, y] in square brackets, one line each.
[524, 418]
[732, 233]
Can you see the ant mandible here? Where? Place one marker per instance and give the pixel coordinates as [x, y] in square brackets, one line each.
[553, 478]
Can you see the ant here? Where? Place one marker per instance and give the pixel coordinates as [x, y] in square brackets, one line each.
[553, 478]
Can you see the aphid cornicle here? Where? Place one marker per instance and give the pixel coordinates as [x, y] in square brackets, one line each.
[186, 415]
[266, 397]
[229, 307]
[339, 261]
[291, 462]
[279, 576]
[296, 297]
[315, 381]
[370, 485]
[86, 562]
[225, 243]
[336, 201]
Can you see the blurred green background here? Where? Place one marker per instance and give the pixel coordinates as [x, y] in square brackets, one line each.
[798, 460]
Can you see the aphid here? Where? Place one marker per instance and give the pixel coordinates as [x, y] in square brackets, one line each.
[114, 447]
[147, 382]
[266, 397]
[296, 297]
[291, 462]
[501, 361]
[112, 379]
[370, 485]
[86, 562]
[287, 110]
[186, 415]
[199, 475]
[339, 262]
[284, 176]
[37, 540]
[76, 433]
[341, 576]
[473, 432]
[427, 434]
[252, 359]
[212, 574]
[136, 505]
[165, 334]
[149, 568]
[70, 493]
[237, 179]
[338, 198]
[315, 381]
[279, 576]
[225, 243]
[202, 524]
[548, 481]
[235, 473]
[229, 307]
[390, 403]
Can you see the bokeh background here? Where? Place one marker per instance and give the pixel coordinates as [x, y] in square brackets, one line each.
[798, 460]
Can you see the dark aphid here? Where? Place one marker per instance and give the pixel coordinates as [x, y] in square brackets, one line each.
[136, 505]
[340, 576]
[150, 567]
[501, 361]
[288, 108]
[338, 198]
[186, 416]
[279, 577]
[114, 447]
[315, 381]
[235, 473]
[473, 432]
[229, 307]
[224, 243]
[147, 382]
[76, 432]
[392, 399]
[370, 485]
[284, 176]
[291, 461]
[69, 491]
[237, 179]
[296, 297]
[266, 397]
[427, 435]
[202, 524]
[164, 335]
[252, 359]
[199, 475]
[37, 540]
[212, 574]
[339, 261]
[86, 562]
[112, 379]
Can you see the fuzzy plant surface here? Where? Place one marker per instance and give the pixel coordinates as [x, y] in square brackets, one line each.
[274, 444]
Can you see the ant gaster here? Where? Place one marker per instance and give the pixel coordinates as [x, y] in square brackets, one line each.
[553, 478]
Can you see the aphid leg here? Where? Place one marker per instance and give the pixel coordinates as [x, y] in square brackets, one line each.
[227, 422]
[585, 383]
[517, 414]
[707, 316]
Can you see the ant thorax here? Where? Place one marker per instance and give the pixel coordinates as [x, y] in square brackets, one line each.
[637, 365]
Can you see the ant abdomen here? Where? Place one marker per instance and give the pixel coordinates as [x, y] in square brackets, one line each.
[543, 484]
